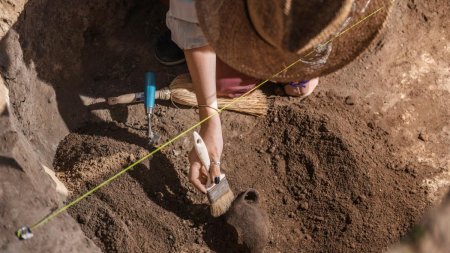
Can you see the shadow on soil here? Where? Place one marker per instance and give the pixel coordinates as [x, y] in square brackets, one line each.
[164, 181]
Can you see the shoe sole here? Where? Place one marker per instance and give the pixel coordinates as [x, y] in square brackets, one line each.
[170, 63]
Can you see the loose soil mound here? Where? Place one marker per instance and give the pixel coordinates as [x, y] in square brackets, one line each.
[327, 178]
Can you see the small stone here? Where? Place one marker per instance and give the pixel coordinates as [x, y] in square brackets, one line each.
[370, 125]
[176, 152]
[128, 223]
[291, 215]
[279, 190]
[302, 196]
[271, 149]
[363, 198]
[319, 218]
[350, 100]
[170, 237]
[131, 158]
[304, 206]
[359, 199]
[423, 136]
[285, 200]
[198, 240]
[276, 120]
[308, 237]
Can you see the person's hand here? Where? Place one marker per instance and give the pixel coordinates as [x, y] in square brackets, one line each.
[211, 133]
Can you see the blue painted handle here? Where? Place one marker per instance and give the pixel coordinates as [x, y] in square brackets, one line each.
[150, 90]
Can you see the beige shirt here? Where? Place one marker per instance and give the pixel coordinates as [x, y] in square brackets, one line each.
[184, 10]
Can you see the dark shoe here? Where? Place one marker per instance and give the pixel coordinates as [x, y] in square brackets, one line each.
[167, 52]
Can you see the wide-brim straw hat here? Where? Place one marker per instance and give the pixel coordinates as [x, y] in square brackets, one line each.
[261, 37]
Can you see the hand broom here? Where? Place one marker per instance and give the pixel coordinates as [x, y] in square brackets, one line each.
[181, 92]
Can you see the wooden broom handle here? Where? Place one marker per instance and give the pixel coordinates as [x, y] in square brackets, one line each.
[122, 99]
[163, 94]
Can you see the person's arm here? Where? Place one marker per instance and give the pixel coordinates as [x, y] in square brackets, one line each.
[202, 67]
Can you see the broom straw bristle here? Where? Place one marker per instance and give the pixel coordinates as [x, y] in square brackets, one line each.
[222, 204]
[181, 92]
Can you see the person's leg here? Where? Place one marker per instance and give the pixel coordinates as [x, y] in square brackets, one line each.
[232, 83]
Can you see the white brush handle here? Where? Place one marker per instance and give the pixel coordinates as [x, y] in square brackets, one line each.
[202, 153]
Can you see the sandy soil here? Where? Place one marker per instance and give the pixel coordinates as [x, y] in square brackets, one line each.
[328, 180]
[331, 170]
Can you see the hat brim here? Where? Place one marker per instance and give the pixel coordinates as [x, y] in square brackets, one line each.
[229, 31]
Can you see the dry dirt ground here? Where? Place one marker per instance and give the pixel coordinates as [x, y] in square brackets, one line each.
[350, 169]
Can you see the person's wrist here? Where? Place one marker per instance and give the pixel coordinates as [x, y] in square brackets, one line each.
[213, 120]
[205, 112]
[211, 131]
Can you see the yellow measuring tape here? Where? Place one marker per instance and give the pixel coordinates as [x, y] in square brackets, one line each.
[22, 232]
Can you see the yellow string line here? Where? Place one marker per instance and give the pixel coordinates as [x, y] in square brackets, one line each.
[62, 209]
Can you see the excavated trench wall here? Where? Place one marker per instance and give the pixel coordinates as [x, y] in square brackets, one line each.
[41, 44]
[49, 69]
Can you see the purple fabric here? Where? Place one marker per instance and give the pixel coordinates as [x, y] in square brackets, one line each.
[301, 84]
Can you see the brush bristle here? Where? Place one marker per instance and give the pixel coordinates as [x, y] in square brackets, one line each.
[222, 204]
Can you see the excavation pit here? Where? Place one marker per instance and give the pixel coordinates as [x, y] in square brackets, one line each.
[327, 172]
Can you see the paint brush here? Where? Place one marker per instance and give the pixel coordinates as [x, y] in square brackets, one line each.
[219, 193]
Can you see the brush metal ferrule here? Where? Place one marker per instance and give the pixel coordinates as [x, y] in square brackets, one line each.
[218, 190]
